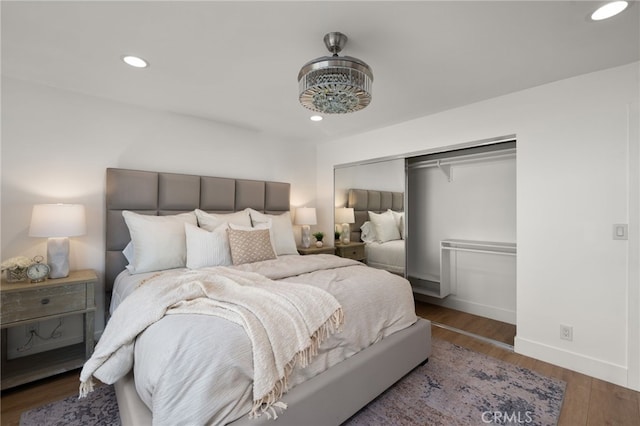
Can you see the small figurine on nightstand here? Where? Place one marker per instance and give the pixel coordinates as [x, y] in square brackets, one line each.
[318, 236]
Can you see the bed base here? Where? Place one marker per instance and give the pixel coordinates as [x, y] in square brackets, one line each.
[331, 397]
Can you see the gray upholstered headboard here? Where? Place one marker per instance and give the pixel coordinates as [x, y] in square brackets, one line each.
[365, 200]
[171, 193]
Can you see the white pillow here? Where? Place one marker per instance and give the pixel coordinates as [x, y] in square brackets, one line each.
[280, 230]
[128, 252]
[210, 221]
[207, 248]
[385, 226]
[368, 232]
[158, 241]
[399, 218]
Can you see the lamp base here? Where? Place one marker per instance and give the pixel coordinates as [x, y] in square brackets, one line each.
[345, 236]
[58, 257]
[306, 236]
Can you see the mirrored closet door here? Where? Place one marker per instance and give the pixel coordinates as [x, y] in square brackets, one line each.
[376, 187]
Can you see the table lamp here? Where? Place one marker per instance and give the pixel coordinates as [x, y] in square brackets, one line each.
[58, 222]
[345, 216]
[306, 216]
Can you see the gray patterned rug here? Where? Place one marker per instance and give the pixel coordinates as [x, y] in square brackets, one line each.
[456, 387]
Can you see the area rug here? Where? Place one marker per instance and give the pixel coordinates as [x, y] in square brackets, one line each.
[462, 387]
[456, 387]
[100, 408]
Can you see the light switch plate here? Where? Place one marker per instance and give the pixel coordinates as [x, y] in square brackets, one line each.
[620, 231]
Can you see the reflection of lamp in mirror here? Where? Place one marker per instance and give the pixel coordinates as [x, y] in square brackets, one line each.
[58, 222]
[306, 216]
[345, 216]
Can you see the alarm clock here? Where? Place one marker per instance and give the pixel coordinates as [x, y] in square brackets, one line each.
[37, 272]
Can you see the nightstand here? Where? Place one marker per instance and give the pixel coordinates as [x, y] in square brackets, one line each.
[25, 303]
[352, 250]
[316, 250]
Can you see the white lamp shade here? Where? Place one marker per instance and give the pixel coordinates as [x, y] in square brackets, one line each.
[58, 220]
[306, 216]
[345, 215]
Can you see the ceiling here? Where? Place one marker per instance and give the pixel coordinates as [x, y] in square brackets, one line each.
[237, 62]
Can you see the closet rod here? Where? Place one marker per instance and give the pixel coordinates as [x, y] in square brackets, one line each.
[464, 159]
[508, 253]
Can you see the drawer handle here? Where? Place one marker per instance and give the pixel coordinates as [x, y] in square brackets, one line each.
[44, 301]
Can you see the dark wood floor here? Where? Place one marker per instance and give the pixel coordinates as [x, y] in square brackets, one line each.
[588, 401]
[485, 327]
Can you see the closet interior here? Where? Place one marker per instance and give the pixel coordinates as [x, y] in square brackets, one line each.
[461, 229]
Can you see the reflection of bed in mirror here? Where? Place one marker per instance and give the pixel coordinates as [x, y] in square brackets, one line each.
[379, 223]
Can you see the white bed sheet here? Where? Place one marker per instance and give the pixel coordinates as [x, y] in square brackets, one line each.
[389, 255]
[197, 369]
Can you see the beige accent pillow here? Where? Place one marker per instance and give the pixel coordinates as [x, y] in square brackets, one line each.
[250, 246]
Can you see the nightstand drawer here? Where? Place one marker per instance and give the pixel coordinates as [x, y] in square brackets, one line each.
[316, 250]
[31, 304]
[352, 252]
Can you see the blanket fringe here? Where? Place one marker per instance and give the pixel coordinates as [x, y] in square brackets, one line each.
[267, 405]
[85, 388]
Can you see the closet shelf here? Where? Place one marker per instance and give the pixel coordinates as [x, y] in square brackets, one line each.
[488, 247]
[425, 287]
[445, 165]
[448, 261]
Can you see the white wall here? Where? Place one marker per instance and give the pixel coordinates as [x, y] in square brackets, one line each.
[573, 166]
[56, 146]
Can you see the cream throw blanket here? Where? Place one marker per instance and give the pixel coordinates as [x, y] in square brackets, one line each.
[285, 322]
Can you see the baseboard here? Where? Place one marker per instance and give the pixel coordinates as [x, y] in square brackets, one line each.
[593, 367]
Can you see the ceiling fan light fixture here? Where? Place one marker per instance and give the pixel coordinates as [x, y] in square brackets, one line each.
[335, 84]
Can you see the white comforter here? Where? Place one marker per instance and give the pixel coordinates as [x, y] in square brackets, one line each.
[198, 369]
[388, 255]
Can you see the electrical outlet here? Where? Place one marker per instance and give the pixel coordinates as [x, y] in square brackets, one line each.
[31, 328]
[566, 332]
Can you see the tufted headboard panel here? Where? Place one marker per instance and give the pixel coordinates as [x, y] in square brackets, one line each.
[157, 193]
[364, 200]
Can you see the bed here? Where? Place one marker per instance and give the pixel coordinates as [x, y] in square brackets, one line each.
[382, 253]
[351, 368]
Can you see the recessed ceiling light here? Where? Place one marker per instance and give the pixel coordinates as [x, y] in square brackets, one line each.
[135, 61]
[608, 10]
[315, 118]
